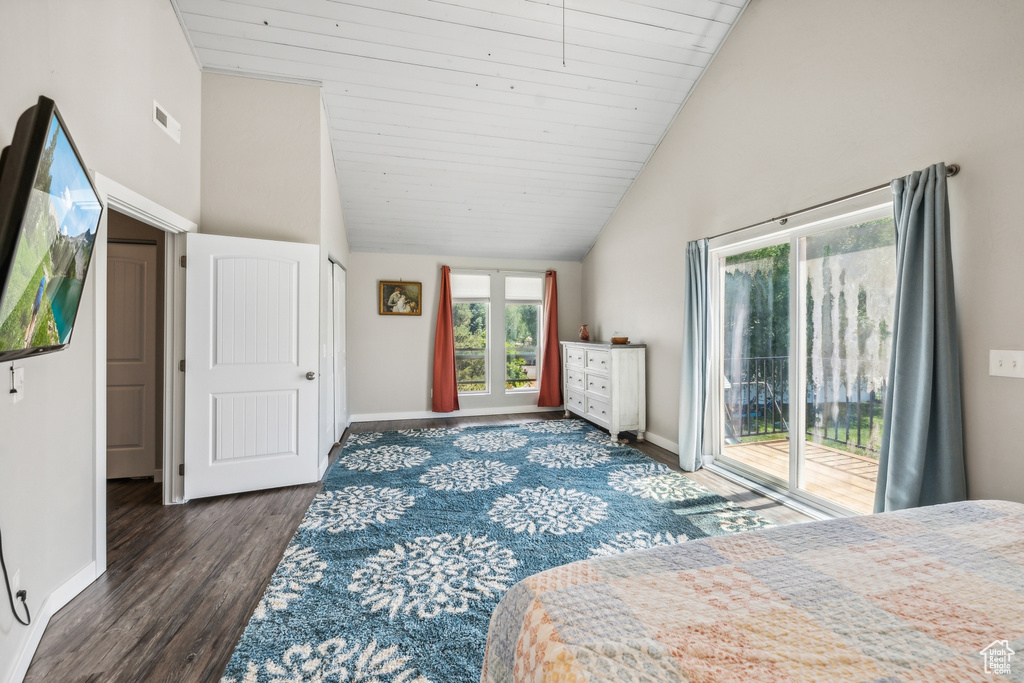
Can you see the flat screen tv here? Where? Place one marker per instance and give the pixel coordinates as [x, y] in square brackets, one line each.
[49, 214]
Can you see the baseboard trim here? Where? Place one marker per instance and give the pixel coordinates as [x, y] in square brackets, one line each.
[158, 476]
[468, 412]
[50, 606]
[662, 442]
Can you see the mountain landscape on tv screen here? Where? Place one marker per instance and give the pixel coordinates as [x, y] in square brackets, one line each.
[52, 254]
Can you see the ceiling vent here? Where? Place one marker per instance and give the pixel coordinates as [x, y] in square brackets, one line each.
[166, 122]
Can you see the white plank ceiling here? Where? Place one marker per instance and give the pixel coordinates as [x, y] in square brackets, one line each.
[456, 127]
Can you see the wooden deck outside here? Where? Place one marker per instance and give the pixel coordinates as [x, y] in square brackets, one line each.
[840, 477]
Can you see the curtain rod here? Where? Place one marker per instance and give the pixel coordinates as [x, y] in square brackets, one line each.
[507, 271]
[951, 171]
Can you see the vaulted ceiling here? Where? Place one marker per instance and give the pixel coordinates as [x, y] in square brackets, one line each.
[457, 127]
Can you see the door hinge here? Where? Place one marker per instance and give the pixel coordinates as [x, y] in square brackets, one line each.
[181, 470]
[181, 366]
[184, 261]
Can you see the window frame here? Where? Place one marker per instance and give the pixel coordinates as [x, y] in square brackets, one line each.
[871, 207]
[539, 303]
[487, 347]
[495, 353]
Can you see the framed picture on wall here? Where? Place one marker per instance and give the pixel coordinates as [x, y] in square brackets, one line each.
[398, 298]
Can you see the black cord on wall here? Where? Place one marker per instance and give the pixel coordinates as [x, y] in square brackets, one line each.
[22, 595]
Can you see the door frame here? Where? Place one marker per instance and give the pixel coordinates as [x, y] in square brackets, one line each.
[333, 262]
[873, 205]
[117, 197]
[326, 365]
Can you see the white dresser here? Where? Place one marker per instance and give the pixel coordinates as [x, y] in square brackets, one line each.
[605, 383]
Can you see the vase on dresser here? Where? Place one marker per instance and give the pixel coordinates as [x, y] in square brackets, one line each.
[606, 384]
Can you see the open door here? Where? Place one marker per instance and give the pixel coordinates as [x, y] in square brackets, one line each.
[251, 389]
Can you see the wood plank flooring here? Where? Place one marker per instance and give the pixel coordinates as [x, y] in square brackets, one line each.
[182, 580]
[844, 478]
[180, 585]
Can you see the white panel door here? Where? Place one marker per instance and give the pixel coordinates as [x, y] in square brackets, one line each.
[340, 351]
[251, 389]
[131, 360]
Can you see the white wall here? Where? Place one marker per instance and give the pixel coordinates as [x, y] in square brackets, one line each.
[391, 357]
[261, 159]
[103, 62]
[333, 235]
[809, 101]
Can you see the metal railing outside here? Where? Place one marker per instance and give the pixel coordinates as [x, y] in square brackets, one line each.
[470, 354]
[757, 401]
[528, 354]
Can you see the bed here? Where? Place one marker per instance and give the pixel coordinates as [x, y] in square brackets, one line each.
[915, 595]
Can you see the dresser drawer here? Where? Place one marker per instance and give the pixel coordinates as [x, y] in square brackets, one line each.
[574, 401]
[605, 385]
[598, 360]
[597, 383]
[600, 411]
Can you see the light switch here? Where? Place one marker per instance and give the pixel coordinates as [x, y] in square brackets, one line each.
[1006, 363]
[17, 384]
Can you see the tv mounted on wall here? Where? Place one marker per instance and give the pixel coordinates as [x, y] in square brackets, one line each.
[49, 214]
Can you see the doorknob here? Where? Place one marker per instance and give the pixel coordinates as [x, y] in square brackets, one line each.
[311, 375]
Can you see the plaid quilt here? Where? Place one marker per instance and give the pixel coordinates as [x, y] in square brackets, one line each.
[931, 594]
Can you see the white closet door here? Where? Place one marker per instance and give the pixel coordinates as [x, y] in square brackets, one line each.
[326, 424]
[340, 362]
[251, 387]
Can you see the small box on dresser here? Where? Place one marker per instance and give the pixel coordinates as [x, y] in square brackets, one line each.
[606, 384]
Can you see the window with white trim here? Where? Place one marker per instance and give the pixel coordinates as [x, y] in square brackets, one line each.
[524, 305]
[471, 301]
[503, 350]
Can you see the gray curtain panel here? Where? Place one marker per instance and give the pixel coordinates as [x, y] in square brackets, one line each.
[922, 455]
[693, 394]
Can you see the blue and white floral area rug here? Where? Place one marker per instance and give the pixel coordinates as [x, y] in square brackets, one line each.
[400, 560]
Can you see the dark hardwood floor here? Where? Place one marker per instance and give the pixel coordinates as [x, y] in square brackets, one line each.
[182, 581]
[180, 585]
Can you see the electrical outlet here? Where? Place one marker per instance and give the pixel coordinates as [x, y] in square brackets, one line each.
[16, 580]
[1006, 363]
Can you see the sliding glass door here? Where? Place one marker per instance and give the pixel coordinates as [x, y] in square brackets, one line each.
[803, 321]
[755, 360]
[848, 288]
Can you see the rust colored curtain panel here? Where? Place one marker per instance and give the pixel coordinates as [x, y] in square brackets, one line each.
[446, 388]
[551, 370]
